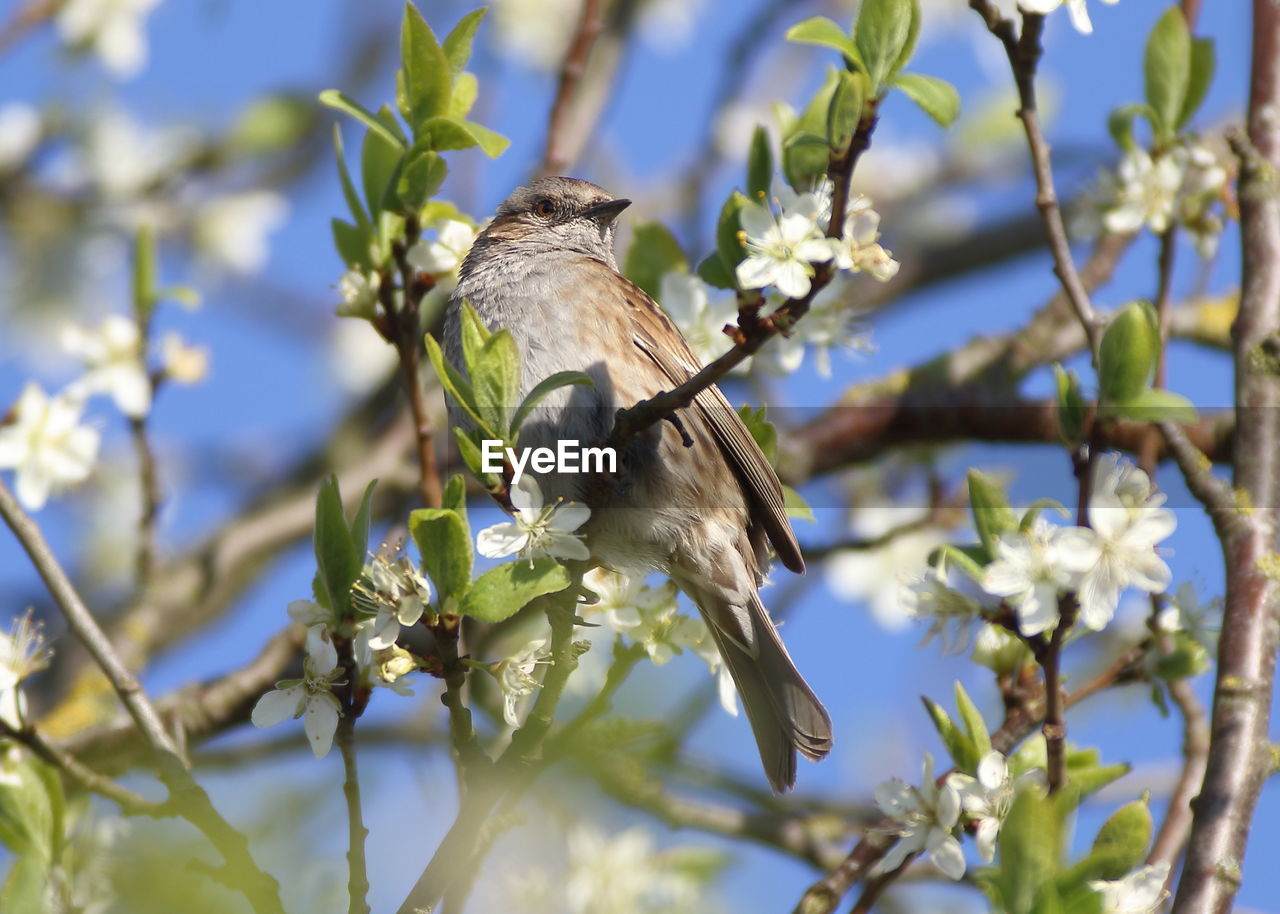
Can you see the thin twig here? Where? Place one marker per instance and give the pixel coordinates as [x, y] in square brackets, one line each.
[556, 157]
[357, 873]
[1024, 53]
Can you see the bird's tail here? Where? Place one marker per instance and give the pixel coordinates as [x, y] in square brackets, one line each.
[785, 715]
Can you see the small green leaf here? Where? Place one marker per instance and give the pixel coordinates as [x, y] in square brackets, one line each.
[805, 150]
[992, 515]
[936, 97]
[380, 164]
[542, 389]
[1071, 406]
[469, 451]
[762, 430]
[454, 497]
[144, 272]
[1030, 851]
[1202, 67]
[26, 884]
[959, 746]
[913, 36]
[1127, 355]
[1120, 124]
[968, 559]
[422, 175]
[445, 133]
[759, 164]
[363, 521]
[495, 377]
[823, 32]
[352, 244]
[975, 727]
[845, 113]
[713, 272]
[728, 231]
[457, 44]
[444, 544]
[795, 505]
[1087, 776]
[1187, 659]
[1119, 848]
[653, 253]
[455, 384]
[339, 101]
[502, 592]
[1154, 405]
[338, 558]
[465, 90]
[428, 77]
[1033, 512]
[348, 186]
[1167, 69]
[881, 33]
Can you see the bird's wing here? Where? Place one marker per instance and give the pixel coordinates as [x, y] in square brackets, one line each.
[657, 336]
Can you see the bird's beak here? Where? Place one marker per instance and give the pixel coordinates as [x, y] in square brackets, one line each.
[604, 213]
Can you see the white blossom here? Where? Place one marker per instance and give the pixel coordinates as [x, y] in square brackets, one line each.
[537, 530]
[1203, 186]
[873, 575]
[114, 29]
[515, 677]
[113, 360]
[232, 230]
[1031, 569]
[22, 653]
[624, 874]
[858, 249]
[46, 445]
[535, 32]
[701, 319]
[999, 650]
[20, 129]
[1143, 192]
[1077, 9]
[443, 257]
[124, 160]
[1139, 892]
[828, 325]
[924, 820]
[1185, 613]
[988, 798]
[397, 594]
[1128, 520]
[782, 248]
[183, 362]
[310, 698]
[359, 293]
[941, 600]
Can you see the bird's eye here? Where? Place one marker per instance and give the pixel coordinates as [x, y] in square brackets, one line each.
[544, 208]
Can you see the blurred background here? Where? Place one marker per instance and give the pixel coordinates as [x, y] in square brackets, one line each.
[199, 118]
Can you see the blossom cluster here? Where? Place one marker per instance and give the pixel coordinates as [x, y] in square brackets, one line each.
[1032, 568]
[439, 254]
[46, 442]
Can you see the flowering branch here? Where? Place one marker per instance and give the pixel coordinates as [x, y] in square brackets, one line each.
[1024, 53]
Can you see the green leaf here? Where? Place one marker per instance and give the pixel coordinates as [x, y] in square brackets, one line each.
[457, 44]
[339, 101]
[1119, 848]
[444, 544]
[823, 32]
[1188, 658]
[845, 112]
[144, 272]
[936, 97]
[474, 334]
[968, 559]
[975, 727]
[713, 272]
[1153, 405]
[428, 77]
[762, 430]
[363, 521]
[759, 164]
[502, 592]
[348, 186]
[1166, 69]
[352, 245]
[1040, 504]
[422, 175]
[454, 497]
[1087, 776]
[495, 377]
[380, 162]
[444, 133]
[1030, 851]
[465, 89]
[882, 33]
[469, 451]
[1127, 355]
[545, 387]
[913, 36]
[338, 558]
[455, 384]
[959, 746]
[795, 505]
[25, 885]
[653, 253]
[992, 515]
[1071, 406]
[1202, 67]
[728, 231]
[805, 150]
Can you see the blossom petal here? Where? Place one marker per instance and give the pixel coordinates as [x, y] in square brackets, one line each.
[320, 723]
[501, 540]
[277, 706]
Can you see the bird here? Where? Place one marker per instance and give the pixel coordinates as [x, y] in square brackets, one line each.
[695, 499]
